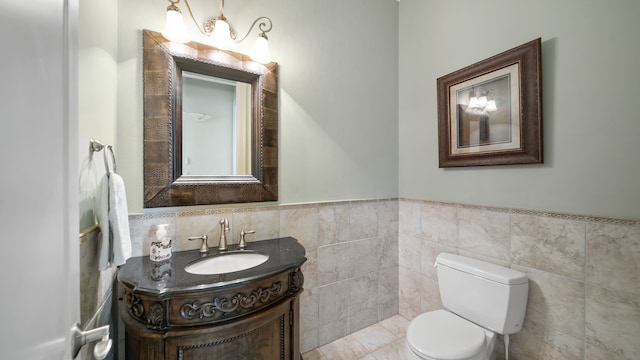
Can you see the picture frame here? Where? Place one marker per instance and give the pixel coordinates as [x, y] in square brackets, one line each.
[490, 113]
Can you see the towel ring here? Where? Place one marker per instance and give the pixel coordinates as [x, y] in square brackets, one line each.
[113, 159]
[96, 145]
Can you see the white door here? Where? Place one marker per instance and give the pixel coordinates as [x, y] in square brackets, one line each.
[38, 179]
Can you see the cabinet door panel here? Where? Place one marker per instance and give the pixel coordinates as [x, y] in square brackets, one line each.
[265, 336]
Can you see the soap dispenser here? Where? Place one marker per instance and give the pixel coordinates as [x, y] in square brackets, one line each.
[161, 248]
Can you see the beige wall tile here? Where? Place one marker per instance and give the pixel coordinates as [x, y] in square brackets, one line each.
[309, 319]
[363, 293]
[528, 343]
[308, 340]
[191, 226]
[430, 298]
[429, 251]
[309, 309]
[412, 285]
[265, 223]
[333, 302]
[485, 232]
[300, 222]
[409, 216]
[558, 346]
[388, 302]
[594, 353]
[363, 220]
[364, 256]
[389, 253]
[549, 244]
[613, 321]
[409, 253]
[333, 263]
[555, 302]
[549, 346]
[388, 309]
[439, 223]
[388, 219]
[388, 287]
[333, 224]
[613, 256]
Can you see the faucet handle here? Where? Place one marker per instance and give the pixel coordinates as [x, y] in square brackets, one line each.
[243, 243]
[204, 248]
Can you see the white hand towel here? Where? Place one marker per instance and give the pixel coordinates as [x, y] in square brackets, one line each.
[119, 221]
[102, 214]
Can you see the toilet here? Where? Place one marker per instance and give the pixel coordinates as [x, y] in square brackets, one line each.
[480, 299]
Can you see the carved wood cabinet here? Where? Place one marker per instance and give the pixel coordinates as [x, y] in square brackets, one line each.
[253, 317]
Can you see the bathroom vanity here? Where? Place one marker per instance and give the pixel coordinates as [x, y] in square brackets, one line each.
[169, 313]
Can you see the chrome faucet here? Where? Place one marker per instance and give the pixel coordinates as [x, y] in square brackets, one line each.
[224, 227]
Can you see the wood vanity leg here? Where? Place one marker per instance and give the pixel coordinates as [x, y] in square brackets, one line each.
[295, 328]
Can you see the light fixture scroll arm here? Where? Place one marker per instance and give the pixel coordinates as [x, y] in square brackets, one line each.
[202, 30]
[262, 26]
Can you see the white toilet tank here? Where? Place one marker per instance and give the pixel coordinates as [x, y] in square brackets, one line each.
[489, 295]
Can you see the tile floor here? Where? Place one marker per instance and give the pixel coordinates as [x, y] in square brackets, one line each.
[381, 341]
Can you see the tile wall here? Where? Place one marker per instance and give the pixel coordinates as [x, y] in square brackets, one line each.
[351, 275]
[96, 296]
[369, 260]
[584, 273]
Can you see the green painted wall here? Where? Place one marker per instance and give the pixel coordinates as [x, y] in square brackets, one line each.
[590, 52]
[97, 95]
[338, 64]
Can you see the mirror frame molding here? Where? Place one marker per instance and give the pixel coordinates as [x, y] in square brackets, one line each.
[164, 184]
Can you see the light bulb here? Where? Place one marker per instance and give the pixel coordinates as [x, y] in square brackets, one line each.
[221, 36]
[174, 29]
[260, 51]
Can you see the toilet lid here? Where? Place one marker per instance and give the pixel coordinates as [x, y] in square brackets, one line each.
[443, 335]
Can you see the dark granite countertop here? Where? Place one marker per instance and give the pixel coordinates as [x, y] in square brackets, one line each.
[169, 277]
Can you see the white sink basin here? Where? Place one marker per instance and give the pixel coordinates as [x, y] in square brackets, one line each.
[226, 263]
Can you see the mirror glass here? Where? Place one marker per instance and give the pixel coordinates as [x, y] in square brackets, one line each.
[216, 126]
[210, 125]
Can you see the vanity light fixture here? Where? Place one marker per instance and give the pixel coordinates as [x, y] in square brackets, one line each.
[222, 34]
[481, 103]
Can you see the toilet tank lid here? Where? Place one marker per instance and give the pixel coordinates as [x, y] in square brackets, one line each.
[482, 269]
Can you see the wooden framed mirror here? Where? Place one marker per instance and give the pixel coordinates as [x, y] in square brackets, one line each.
[166, 183]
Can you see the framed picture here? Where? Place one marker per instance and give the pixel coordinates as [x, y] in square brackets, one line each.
[490, 113]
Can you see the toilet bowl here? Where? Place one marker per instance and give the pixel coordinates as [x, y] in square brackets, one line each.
[480, 300]
[441, 335]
